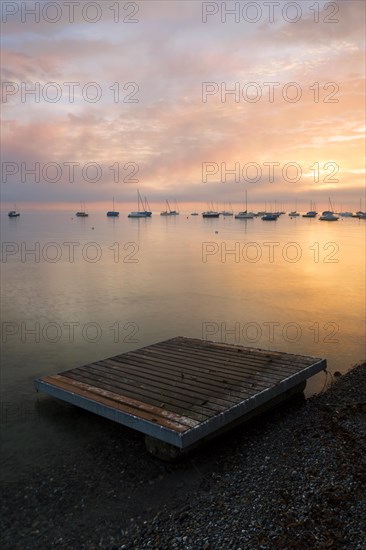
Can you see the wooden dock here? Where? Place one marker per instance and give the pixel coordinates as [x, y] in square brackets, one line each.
[183, 390]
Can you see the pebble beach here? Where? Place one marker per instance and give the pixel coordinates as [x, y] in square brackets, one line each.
[294, 478]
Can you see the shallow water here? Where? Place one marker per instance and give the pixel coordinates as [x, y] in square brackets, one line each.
[96, 287]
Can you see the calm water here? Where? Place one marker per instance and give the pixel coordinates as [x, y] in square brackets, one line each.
[96, 287]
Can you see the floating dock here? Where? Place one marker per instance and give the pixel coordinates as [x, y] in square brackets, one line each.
[183, 390]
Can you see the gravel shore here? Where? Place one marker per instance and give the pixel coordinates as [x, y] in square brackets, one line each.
[293, 479]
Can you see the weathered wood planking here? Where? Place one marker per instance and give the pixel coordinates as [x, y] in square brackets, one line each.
[181, 390]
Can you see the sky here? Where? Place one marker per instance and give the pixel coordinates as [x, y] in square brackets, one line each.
[194, 101]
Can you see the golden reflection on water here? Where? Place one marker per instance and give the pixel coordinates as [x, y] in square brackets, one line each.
[295, 285]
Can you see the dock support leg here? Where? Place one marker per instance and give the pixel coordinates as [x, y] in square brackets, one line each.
[163, 451]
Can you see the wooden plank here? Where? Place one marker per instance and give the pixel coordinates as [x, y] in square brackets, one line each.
[217, 374]
[229, 390]
[127, 406]
[241, 369]
[183, 359]
[205, 381]
[230, 349]
[203, 407]
[217, 366]
[199, 343]
[181, 389]
[140, 405]
[234, 350]
[238, 358]
[160, 393]
[185, 411]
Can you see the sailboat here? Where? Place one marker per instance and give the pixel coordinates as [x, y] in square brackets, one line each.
[169, 211]
[112, 213]
[328, 215]
[14, 213]
[269, 217]
[294, 213]
[211, 213]
[141, 212]
[360, 214]
[245, 215]
[227, 212]
[82, 213]
[312, 213]
[344, 213]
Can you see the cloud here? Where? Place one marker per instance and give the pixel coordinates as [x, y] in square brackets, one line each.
[162, 62]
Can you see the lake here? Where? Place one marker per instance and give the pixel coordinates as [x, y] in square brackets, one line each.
[76, 290]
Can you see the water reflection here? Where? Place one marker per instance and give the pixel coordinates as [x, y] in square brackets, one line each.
[75, 287]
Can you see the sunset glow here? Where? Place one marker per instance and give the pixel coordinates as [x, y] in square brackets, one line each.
[169, 92]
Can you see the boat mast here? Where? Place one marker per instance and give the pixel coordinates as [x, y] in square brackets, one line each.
[139, 200]
[147, 205]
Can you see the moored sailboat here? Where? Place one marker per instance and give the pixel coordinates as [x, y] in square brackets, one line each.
[169, 211]
[360, 214]
[82, 213]
[14, 213]
[294, 213]
[210, 214]
[143, 212]
[245, 215]
[112, 213]
[328, 215]
[226, 212]
[312, 212]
